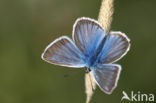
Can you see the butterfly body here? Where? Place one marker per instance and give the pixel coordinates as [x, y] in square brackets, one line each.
[93, 48]
[95, 57]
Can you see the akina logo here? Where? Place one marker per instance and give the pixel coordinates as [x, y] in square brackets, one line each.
[138, 96]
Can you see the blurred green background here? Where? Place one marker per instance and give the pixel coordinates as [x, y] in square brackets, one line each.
[28, 26]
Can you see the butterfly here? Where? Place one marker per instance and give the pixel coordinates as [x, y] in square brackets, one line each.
[92, 47]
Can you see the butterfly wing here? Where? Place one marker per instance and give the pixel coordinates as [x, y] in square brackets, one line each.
[63, 52]
[87, 34]
[116, 45]
[106, 76]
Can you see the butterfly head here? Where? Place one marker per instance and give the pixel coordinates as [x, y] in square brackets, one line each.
[88, 70]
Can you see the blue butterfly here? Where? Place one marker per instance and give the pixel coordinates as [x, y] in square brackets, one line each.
[91, 47]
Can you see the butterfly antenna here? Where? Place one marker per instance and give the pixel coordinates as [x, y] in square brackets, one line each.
[66, 75]
[72, 73]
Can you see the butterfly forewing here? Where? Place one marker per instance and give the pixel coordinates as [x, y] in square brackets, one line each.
[106, 76]
[63, 52]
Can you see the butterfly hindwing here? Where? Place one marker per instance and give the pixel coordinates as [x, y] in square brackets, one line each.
[87, 34]
[116, 46]
[63, 52]
[106, 76]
